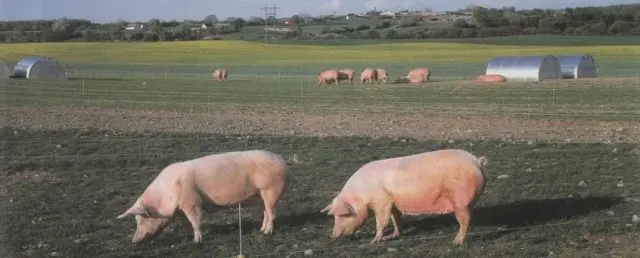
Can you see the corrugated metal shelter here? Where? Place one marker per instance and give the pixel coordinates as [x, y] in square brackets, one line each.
[574, 67]
[4, 71]
[33, 68]
[525, 68]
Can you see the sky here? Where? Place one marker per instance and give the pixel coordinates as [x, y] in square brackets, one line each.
[143, 10]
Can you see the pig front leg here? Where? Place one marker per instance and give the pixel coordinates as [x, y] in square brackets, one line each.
[191, 205]
[193, 215]
[382, 213]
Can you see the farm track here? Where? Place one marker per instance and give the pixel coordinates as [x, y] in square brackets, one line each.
[272, 122]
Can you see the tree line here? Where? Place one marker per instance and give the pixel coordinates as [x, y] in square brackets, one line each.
[492, 22]
[485, 22]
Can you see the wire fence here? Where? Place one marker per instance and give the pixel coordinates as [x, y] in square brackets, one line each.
[139, 107]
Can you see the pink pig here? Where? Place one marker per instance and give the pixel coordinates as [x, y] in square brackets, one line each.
[436, 182]
[215, 180]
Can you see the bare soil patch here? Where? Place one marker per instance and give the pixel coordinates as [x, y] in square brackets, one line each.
[233, 121]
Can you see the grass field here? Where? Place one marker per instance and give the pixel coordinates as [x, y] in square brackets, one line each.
[176, 58]
[77, 152]
[71, 197]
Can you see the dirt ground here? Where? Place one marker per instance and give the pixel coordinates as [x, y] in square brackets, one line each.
[292, 123]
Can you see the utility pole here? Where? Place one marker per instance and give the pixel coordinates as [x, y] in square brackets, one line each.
[269, 11]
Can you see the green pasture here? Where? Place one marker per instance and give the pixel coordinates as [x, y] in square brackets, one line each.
[586, 99]
[464, 59]
[506, 41]
[63, 190]
[176, 75]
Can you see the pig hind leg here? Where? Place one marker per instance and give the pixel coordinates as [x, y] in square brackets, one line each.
[463, 217]
[395, 220]
[461, 204]
[270, 198]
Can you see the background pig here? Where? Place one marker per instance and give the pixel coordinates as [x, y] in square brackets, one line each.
[215, 180]
[369, 75]
[490, 78]
[346, 74]
[435, 182]
[419, 75]
[220, 74]
[328, 76]
[381, 75]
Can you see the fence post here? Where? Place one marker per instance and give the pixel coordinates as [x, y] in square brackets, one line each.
[83, 83]
[166, 68]
[240, 229]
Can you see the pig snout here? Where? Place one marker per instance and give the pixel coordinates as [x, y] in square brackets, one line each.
[344, 227]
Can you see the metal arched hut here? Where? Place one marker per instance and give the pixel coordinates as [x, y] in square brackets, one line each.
[579, 66]
[36, 68]
[525, 68]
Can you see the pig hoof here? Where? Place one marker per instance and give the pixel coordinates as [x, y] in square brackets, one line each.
[375, 240]
[389, 237]
[197, 237]
[458, 241]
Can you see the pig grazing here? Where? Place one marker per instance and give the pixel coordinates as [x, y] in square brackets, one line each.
[219, 74]
[436, 182]
[346, 74]
[381, 75]
[328, 76]
[490, 78]
[419, 75]
[215, 180]
[369, 75]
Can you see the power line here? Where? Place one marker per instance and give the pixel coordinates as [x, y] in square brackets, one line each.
[269, 11]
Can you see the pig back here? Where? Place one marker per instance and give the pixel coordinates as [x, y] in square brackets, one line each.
[229, 178]
[329, 74]
[432, 182]
[418, 73]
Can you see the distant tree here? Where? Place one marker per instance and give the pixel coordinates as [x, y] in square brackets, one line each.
[211, 19]
[61, 30]
[598, 28]
[89, 35]
[237, 23]
[271, 20]
[514, 18]
[181, 32]
[620, 27]
[255, 21]
[390, 34]
[19, 33]
[122, 23]
[460, 23]
[295, 19]
[374, 34]
[480, 16]
[115, 33]
[157, 33]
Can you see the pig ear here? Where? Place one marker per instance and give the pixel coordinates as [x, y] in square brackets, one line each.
[328, 208]
[341, 208]
[136, 209]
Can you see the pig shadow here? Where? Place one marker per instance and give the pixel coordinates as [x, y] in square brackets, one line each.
[281, 223]
[518, 214]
